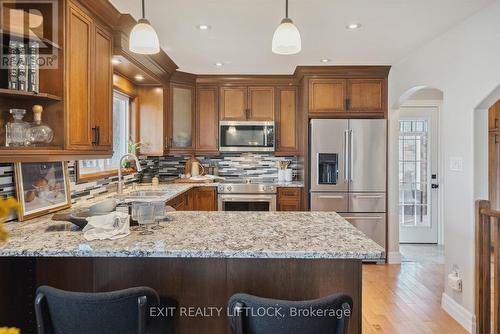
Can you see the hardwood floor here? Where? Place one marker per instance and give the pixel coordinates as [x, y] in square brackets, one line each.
[405, 299]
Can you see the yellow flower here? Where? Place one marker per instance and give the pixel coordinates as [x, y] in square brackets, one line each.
[6, 207]
[12, 330]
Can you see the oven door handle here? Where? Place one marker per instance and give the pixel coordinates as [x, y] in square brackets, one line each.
[247, 199]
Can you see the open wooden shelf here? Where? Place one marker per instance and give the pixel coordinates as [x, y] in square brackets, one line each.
[49, 153]
[19, 94]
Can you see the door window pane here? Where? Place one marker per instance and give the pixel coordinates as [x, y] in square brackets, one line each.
[414, 184]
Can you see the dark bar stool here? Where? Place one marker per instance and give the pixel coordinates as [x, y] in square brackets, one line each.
[125, 312]
[256, 315]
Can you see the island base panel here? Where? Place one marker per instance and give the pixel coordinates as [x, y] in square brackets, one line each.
[196, 283]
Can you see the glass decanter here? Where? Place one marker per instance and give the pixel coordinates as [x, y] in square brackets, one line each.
[16, 131]
[39, 133]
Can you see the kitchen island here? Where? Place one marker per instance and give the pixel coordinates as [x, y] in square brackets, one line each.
[199, 258]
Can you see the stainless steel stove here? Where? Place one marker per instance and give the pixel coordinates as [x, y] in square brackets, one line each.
[247, 195]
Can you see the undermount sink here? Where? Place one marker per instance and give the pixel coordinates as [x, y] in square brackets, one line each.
[146, 193]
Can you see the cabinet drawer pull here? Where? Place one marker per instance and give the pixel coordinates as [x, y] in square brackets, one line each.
[368, 196]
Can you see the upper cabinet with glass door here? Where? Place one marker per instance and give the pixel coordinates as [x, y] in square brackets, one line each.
[182, 118]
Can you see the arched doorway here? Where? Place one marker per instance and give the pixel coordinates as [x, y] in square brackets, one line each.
[415, 174]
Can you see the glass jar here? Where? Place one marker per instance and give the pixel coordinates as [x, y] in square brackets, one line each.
[16, 131]
[39, 133]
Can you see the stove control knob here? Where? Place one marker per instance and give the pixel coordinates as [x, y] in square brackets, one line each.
[229, 188]
[270, 188]
[221, 188]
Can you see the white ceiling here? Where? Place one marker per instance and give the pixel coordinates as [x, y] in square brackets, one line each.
[242, 30]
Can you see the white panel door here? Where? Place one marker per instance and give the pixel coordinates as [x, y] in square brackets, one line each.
[418, 171]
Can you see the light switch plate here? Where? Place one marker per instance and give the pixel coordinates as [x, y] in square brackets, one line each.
[457, 164]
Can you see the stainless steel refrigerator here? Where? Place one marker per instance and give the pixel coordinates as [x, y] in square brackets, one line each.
[348, 172]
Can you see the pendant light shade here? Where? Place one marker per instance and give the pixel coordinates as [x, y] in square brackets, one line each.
[143, 38]
[286, 38]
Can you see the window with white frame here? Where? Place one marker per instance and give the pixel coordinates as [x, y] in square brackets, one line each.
[121, 131]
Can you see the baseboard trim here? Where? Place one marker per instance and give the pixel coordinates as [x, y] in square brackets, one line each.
[465, 318]
[394, 257]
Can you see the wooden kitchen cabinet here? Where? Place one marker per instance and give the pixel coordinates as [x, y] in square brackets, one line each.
[150, 100]
[207, 120]
[89, 77]
[289, 199]
[79, 66]
[287, 140]
[327, 95]
[494, 117]
[330, 96]
[196, 199]
[205, 199]
[103, 89]
[233, 103]
[182, 118]
[261, 103]
[247, 103]
[365, 95]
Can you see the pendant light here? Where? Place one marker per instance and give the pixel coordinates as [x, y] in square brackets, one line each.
[286, 39]
[143, 38]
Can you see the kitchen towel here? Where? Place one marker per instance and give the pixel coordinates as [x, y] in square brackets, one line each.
[112, 226]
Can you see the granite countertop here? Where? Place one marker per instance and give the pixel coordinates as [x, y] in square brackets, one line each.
[323, 235]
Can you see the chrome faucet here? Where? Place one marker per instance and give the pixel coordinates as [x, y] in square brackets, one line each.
[120, 176]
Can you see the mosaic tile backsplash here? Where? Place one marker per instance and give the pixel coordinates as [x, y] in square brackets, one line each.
[253, 166]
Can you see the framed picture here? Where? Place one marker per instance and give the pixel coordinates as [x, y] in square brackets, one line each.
[42, 188]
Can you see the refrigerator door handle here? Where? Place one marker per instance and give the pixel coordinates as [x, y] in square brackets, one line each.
[346, 155]
[351, 155]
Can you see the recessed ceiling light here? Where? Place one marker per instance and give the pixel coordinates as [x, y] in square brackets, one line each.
[353, 26]
[325, 60]
[219, 64]
[139, 77]
[203, 27]
[116, 61]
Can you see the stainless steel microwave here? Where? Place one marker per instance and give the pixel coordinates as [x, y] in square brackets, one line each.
[246, 136]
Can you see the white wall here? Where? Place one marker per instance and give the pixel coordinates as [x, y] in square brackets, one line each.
[465, 64]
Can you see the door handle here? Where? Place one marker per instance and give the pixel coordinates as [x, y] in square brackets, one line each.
[351, 155]
[331, 197]
[94, 136]
[368, 196]
[346, 155]
[98, 131]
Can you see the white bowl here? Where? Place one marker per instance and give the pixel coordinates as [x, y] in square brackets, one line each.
[104, 207]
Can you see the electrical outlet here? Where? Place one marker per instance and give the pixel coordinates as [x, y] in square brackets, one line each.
[457, 164]
[455, 281]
